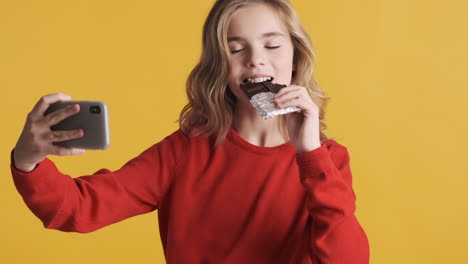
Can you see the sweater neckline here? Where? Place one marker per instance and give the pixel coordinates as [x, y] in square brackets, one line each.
[234, 137]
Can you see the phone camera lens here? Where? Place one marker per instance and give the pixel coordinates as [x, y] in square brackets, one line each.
[95, 109]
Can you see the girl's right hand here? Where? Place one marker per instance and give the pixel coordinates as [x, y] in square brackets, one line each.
[35, 142]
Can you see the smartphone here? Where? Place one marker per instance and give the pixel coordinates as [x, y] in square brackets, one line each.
[92, 118]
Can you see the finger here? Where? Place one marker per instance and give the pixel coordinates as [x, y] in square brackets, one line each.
[56, 136]
[299, 91]
[285, 90]
[62, 151]
[44, 103]
[286, 97]
[292, 95]
[288, 103]
[307, 107]
[59, 115]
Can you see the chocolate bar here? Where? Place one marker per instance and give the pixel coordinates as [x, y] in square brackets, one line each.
[261, 97]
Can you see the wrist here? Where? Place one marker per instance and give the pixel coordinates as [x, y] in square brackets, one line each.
[25, 168]
[22, 166]
[308, 148]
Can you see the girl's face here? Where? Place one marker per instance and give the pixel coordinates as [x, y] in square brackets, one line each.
[260, 47]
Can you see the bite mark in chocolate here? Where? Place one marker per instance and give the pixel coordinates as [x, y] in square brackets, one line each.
[251, 89]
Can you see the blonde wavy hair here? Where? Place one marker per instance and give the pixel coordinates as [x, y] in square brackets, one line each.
[210, 102]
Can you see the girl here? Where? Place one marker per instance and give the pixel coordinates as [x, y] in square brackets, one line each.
[229, 186]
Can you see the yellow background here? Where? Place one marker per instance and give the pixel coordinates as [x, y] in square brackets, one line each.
[396, 72]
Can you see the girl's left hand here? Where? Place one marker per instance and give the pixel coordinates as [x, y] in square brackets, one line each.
[303, 126]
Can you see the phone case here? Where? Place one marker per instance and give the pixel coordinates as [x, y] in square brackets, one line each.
[92, 118]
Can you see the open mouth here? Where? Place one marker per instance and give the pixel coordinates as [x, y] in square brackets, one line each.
[257, 80]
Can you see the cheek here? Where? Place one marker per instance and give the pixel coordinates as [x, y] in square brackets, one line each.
[235, 72]
[284, 65]
[234, 87]
[234, 66]
[233, 83]
[287, 59]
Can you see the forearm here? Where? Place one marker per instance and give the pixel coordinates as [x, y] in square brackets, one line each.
[43, 189]
[336, 235]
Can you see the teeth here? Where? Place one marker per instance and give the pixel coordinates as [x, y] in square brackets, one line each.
[257, 80]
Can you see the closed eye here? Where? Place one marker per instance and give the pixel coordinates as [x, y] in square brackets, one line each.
[268, 47]
[236, 51]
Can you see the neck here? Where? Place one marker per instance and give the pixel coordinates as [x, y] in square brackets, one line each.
[254, 129]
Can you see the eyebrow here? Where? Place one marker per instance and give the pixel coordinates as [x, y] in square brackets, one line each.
[264, 35]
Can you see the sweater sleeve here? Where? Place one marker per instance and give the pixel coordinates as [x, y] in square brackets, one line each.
[335, 233]
[90, 202]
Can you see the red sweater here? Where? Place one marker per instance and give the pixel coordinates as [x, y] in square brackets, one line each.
[240, 203]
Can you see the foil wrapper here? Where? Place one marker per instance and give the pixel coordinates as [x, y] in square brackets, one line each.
[265, 106]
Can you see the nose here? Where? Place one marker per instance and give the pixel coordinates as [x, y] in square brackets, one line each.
[255, 57]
